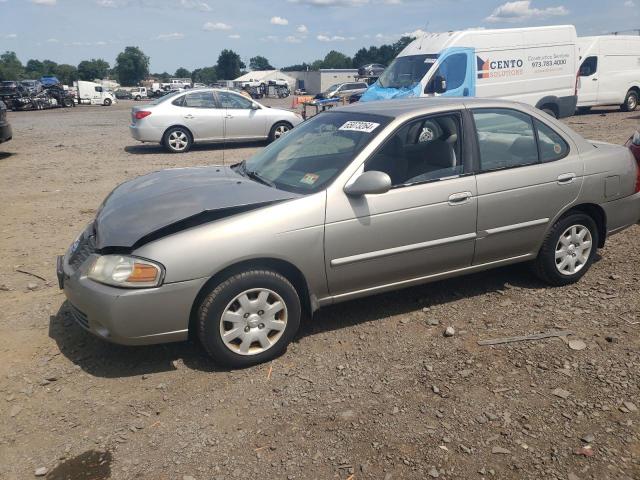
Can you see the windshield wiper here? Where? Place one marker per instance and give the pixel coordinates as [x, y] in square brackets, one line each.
[257, 177]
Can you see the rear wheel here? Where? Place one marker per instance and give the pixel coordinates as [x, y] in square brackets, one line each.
[177, 140]
[107, 102]
[138, 97]
[568, 250]
[278, 130]
[249, 318]
[630, 101]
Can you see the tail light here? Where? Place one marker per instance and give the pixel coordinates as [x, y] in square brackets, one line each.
[634, 145]
[140, 114]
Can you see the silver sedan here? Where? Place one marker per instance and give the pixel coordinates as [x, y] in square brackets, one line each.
[208, 115]
[356, 201]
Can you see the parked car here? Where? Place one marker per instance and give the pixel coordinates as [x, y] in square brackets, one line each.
[356, 201]
[5, 128]
[208, 115]
[139, 93]
[122, 94]
[610, 72]
[371, 70]
[32, 87]
[340, 90]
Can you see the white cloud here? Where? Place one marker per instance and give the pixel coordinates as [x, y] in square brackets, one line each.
[521, 10]
[302, 29]
[106, 3]
[292, 39]
[415, 34]
[234, 36]
[196, 4]
[49, 3]
[332, 3]
[9, 35]
[629, 3]
[170, 36]
[211, 26]
[333, 38]
[52, 40]
[100, 43]
[279, 21]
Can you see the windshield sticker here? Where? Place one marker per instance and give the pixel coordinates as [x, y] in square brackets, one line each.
[359, 126]
[557, 148]
[430, 60]
[309, 178]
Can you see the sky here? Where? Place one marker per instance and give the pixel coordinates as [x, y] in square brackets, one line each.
[191, 33]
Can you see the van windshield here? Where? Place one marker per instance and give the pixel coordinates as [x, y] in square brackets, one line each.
[404, 72]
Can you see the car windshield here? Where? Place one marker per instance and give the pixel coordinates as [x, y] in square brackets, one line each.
[406, 71]
[333, 88]
[309, 157]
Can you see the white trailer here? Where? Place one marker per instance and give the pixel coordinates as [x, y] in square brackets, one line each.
[609, 71]
[91, 93]
[534, 65]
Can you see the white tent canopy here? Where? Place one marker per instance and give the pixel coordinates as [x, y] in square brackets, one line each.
[263, 76]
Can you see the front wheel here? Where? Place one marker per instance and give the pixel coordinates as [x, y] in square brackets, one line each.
[177, 140]
[249, 318]
[107, 102]
[278, 130]
[630, 101]
[138, 97]
[568, 250]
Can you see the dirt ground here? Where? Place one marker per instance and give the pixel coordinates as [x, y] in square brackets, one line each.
[370, 389]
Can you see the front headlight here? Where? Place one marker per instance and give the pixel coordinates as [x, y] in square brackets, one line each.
[126, 271]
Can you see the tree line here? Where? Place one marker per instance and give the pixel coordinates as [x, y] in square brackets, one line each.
[132, 66]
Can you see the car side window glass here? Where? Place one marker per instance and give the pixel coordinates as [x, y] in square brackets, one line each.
[231, 100]
[199, 100]
[551, 145]
[421, 151]
[454, 70]
[589, 66]
[179, 102]
[505, 139]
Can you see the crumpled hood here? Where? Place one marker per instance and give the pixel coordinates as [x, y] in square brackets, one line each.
[179, 198]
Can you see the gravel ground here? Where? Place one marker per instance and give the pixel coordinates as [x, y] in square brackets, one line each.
[370, 389]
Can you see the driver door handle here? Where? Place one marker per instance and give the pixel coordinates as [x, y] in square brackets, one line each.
[189, 116]
[459, 198]
[228, 116]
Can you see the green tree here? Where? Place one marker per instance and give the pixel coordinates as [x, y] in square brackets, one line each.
[229, 65]
[66, 73]
[33, 69]
[93, 69]
[335, 59]
[259, 63]
[206, 75]
[10, 67]
[132, 66]
[49, 67]
[299, 67]
[182, 73]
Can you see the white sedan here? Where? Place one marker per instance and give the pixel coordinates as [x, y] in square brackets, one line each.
[208, 115]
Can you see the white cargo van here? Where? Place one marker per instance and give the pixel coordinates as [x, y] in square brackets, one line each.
[609, 71]
[92, 93]
[534, 65]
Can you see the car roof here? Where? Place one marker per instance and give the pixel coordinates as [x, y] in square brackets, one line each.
[424, 105]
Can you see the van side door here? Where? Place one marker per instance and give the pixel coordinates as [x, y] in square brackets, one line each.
[528, 173]
[588, 83]
[457, 69]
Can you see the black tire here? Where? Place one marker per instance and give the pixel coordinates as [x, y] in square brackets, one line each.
[186, 140]
[630, 101]
[214, 304]
[544, 266]
[138, 97]
[583, 110]
[107, 102]
[67, 102]
[277, 130]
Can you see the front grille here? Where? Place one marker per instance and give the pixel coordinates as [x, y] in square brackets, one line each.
[86, 247]
[80, 318]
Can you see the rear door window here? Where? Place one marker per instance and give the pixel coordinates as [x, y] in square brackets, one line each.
[199, 100]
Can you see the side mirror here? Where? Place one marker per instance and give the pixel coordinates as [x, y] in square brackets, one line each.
[440, 84]
[255, 106]
[369, 183]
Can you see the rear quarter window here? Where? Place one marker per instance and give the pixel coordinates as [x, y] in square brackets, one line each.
[551, 145]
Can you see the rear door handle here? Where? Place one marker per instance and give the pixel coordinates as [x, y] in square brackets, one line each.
[189, 116]
[228, 116]
[566, 178]
[459, 198]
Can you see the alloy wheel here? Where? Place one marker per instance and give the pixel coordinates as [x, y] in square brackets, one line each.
[253, 321]
[632, 102]
[573, 249]
[178, 140]
[280, 131]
